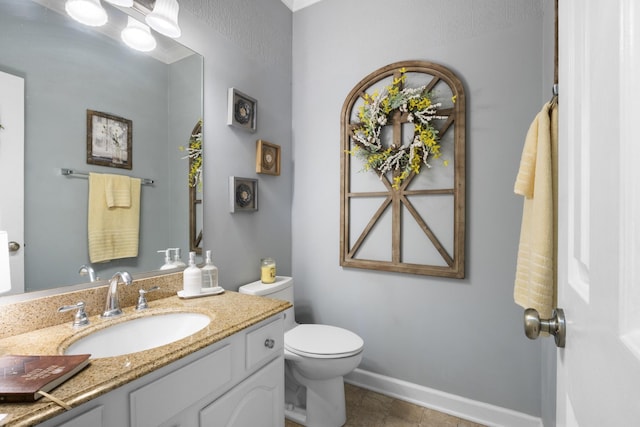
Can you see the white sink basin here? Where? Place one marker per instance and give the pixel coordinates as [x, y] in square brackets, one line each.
[139, 334]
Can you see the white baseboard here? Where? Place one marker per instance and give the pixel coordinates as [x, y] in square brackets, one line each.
[472, 410]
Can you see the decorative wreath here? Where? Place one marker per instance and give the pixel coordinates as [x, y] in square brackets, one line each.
[194, 154]
[416, 103]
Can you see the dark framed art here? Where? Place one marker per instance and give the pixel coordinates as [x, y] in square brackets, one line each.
[243, 194]
[242, 110]
[109, 140]
[267, 158]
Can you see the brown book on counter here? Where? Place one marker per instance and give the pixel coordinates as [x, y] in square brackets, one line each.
[21, 377]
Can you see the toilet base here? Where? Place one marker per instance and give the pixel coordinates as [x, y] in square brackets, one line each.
[324, 405]
[297, 415]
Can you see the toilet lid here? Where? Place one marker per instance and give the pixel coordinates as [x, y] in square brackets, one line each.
[322, 341]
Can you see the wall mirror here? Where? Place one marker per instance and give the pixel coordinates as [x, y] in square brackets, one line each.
[69, 68]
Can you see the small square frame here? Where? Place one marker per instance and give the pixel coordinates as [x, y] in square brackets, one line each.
[109, 140]
[267, 158]
[243, 194]
[242, 110]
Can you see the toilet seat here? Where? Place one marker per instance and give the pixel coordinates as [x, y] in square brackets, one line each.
[322, 341]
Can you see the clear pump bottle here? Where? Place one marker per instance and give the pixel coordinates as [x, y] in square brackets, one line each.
[209, 273]
[177, 259]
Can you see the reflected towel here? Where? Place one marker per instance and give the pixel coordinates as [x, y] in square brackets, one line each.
[113, 232]
[117, 191]
[535, 283]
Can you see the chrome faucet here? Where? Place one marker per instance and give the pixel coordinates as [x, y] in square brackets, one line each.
[87, 269]
[112, 307]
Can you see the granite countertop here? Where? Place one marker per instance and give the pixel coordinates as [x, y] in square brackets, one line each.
[230, 312]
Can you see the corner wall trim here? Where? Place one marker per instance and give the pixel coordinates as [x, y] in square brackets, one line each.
[472, 410]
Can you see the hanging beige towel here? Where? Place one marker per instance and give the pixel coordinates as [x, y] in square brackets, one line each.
[113, 232]
[535, 284]
[117, 191]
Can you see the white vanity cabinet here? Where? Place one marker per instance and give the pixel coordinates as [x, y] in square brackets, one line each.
[238, 381]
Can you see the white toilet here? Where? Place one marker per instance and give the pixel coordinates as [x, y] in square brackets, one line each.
[317, 357]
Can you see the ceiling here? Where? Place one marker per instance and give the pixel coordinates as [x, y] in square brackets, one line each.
[295, 5]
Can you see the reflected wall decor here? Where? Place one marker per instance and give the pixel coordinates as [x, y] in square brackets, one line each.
[109, 140]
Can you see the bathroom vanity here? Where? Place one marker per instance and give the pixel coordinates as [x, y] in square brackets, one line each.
[235, 382]
[231, 373]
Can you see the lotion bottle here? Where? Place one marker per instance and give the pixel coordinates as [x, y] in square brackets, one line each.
[209, 273]
[168, 264]
[192, 277]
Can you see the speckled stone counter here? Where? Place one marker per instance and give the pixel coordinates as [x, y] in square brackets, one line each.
[35, 327]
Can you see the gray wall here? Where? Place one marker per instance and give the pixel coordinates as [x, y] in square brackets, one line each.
[63, 79]
[458, 336]
[183, 115]
[246, 45]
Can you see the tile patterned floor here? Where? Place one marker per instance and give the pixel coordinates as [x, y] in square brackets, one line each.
[369, 409]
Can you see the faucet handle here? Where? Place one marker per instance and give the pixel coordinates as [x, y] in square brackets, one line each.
[81, 318]
[142, 299]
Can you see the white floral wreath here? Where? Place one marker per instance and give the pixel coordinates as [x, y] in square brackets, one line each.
[374, 114]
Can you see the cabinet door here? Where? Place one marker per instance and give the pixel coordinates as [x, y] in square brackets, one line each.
[161, 400]
[257, 401]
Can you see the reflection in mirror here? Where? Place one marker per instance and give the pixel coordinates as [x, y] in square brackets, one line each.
[195, 189]
[68, 69]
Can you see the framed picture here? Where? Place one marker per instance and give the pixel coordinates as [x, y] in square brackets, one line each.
[243, 110]
[243, 194]
[109, 140]
[267, 158]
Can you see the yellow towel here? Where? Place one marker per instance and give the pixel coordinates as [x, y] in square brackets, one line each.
[118, 191]
[535, 283]
[113, 232]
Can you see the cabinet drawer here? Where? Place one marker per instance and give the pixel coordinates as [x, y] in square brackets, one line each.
[264, 344]
[92, 417]
[162, 399]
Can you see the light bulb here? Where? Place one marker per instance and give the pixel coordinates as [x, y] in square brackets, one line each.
[123, 3]
[164, 18]
[138, 36]
[87, 12]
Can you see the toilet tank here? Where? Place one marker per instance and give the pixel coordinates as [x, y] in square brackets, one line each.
[281, 289]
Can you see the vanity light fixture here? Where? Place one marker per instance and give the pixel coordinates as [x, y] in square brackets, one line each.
[138, 36]
[123, 3]
[87, 12]
[164, 18]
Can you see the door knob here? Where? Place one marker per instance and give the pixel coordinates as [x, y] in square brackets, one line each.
[14, 246]
[555, 326]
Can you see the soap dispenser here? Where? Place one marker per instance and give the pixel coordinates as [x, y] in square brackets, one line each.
[209, 273]
[177, 259]
[168, 264]
[192, 277]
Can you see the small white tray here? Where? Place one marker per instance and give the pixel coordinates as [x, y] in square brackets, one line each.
[203, 293]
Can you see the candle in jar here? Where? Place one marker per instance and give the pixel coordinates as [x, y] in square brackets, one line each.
[267, 270]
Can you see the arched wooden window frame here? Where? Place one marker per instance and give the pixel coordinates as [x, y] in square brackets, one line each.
[396, 198]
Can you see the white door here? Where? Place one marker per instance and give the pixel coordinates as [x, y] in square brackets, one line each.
[12, 171]
[599, 213]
